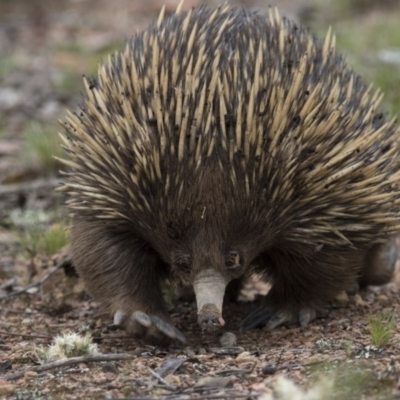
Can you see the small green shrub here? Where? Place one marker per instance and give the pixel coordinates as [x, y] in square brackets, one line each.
[382, 327]
[39, 239]
[43, 144]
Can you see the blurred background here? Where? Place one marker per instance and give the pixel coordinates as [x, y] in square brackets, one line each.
[47, 45]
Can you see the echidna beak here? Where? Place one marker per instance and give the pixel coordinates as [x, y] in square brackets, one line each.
[209, 286]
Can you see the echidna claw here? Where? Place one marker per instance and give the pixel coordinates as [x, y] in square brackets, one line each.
[154, 326]
[306, 315]
[256, 319]
[119, 317]
[279, 318]
[142, 319]
[272, 319]
[163, 326]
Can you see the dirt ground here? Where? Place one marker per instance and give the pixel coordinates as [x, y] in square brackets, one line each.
[45, 48]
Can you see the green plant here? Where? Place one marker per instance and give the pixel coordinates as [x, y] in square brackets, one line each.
[39, 239]
[80, 60]
[387, 78]
[43, 145]
[54, 239]
[363, 42]
[71, 82]
[7, 64]
[382, 327]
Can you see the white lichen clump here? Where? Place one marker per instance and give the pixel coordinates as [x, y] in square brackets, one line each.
[285, 389]
[70, 345]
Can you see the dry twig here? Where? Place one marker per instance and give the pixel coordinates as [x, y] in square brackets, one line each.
[5, 333]
[68, 362]
[162, 380]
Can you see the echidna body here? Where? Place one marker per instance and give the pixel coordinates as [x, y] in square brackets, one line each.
[220, 143]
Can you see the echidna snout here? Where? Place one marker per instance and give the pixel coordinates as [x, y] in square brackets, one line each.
[209, 287]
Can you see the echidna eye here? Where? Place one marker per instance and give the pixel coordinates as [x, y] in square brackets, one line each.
[183, 265]
[233, 261]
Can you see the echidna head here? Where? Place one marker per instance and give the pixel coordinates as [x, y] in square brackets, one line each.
[208, 262]
[207, 239]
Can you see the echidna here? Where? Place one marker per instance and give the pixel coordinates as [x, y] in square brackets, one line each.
[221, 143]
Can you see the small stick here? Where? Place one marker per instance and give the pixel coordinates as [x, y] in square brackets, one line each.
[5, 333]
[69, 362]
[161, 379]
[65, 262]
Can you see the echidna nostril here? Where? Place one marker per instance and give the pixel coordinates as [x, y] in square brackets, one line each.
[209, 320]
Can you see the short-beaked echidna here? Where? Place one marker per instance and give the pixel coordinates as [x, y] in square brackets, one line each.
[221, 143]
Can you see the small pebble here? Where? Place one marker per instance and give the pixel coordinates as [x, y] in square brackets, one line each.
[214, 382]
[173, 380]
[383, 298]
[201, 351]
[109, 367]
[342, 297]
[30, 374]
[228, 339]
[190, 352]
[138, 351]
[269, 369]
[359, 301]
[245, 357]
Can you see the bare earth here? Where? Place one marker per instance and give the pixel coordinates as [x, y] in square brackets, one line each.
[37, 53]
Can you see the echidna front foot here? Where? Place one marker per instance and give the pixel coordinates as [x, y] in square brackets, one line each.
[272, 318]
[151, 328]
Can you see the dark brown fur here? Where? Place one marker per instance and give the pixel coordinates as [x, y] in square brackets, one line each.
[120, 269]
